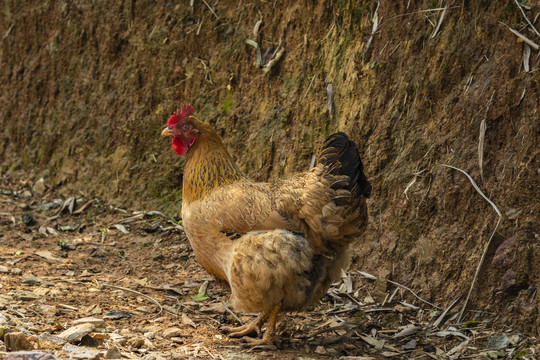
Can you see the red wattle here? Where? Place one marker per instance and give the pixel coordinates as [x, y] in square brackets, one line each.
[179, 146]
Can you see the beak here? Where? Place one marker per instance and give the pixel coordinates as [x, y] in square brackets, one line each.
[167, 132]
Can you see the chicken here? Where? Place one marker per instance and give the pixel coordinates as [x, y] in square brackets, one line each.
[278, 245]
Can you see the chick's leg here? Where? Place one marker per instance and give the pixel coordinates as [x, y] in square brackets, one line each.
[269, 337]
[253, 328]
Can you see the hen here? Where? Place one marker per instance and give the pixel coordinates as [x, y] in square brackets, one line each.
[278, 245]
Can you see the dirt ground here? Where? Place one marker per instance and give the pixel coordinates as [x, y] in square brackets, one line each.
[83, 279]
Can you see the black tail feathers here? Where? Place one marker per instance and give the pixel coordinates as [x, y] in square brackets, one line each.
[341, 156]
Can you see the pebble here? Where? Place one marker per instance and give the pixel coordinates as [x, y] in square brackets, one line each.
[41, 291]
[113, 353]
[39, 186]
[29, 355]
[79, 352]
[30, 279]
[136, 342]
[51, 339]
[76, 333]
[91, 320]
[17, 341]
[3, 269]
[498, 341]
[177, 340]
[150, 335]
[16, 271]
[410, 345]
[26, 194]
[25, 296]
[28, 219]
[172, 332]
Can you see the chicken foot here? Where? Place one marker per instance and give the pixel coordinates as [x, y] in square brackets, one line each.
[254, 327]
[269, 339]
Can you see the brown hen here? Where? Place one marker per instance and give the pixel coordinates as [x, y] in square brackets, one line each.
[278, 245]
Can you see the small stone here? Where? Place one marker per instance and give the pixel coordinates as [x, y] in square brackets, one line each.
[410, 345]
[30, 279]
[125, 332]
[136, 342]
[3, 269]
[115, 315]
[320, 350]
[150, 335]
[16, 271]
[76, 333]
[26, 194]
[40, 291]
[177, 340]
[29, 355]
[17, 341]
[92, 320]
[39, 186]
[153, 356]
[51, 339]
[498, 341]
[495, 354]
[89, 341]
[28, 219]
[172, 332]
[79, 352]
[48, 310]
[25, 296]
[113, 353]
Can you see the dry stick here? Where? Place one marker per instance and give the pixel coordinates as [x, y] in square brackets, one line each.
[531, 43]
[526, 18]
[373, 277]
[481, 138]
[309, 87]
[488, 243]
[232, 314]
[412, 292]
[440, 22]
[210, 8]
[137, 293]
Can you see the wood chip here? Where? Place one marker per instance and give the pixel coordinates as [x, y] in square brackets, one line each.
[122, 228]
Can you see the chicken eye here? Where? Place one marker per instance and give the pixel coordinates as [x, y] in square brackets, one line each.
[185, 127]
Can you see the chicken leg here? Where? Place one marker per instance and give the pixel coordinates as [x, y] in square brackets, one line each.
[269, 337]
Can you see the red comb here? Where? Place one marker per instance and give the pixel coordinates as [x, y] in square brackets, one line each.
[187, 110]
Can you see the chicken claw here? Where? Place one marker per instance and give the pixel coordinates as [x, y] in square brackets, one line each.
[268, 340]
[245, 330]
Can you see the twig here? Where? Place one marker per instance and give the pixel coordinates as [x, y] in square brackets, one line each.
[233, 314]
[8, 32]
[440, 22]
[416, 12]
[200, 26]
[274, 60]
[534, 45]
[489, 240]
[442, 316]
[481, 137]
[372, 277]
[374, 27]
[309, 87]
[210, 8]
[340, 326]
[137, 293]
[526, 18]
[412, 292]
